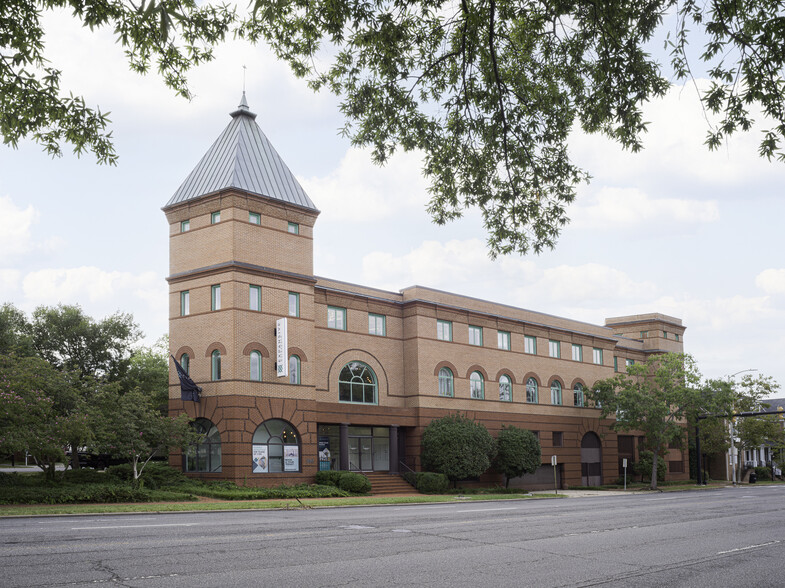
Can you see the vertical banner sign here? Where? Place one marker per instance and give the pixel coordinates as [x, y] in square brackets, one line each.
[282, 347]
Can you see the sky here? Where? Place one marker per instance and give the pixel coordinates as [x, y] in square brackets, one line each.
[675, 229]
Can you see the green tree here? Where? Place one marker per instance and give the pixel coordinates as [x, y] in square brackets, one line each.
[518, 453]
[130, 426]
[457, 447]
[40, 410]
[14, 332]
[491, 90]
[70, 340]
[488, 90]
[173, 34]
[148, 371]
[654, 397]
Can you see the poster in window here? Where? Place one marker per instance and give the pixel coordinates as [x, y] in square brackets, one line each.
[260, 459]
[291, 458]
[324, 452]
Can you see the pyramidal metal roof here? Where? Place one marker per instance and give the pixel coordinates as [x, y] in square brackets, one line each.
[242, 157]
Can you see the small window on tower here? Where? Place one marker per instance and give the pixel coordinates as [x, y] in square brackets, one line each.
[255, 218]
[294, 228]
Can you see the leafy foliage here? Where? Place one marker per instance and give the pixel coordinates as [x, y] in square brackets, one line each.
[518, 453]
[354, 483]
[457, 447]
[428, 482]
[644, 467]
[654, 397]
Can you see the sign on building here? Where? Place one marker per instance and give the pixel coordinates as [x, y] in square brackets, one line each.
[282, 347]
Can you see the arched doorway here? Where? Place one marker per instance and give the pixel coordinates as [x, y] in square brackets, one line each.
[591, 460]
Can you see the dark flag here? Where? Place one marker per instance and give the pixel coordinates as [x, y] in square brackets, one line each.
[188, 389]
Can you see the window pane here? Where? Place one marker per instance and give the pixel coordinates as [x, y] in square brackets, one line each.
[556, 393]
[185, 226]
[577, 353]
[475, 335]
[216, 365]
[597, 356]
[185, 303]
[216, 297]
[294, 304]
[215, 217]
[476, 385]
[445, 382]
[376, 324]
[255, 297]
[504, 340]
[256, 366]
[578, 393]
[530, 345]
[554, 348]
[294, 370]
[185, 363]
[294, 228]
[531, 390]
[255, 218]
[505, 389]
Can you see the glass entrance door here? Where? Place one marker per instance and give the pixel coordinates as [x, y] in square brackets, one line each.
[361, 454]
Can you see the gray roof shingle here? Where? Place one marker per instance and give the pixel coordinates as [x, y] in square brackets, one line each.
[242, 157]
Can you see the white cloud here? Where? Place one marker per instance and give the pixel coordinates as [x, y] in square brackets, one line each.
[15, 227]
[771, 281]
[74, 285]
[359, 191]
[623, 209]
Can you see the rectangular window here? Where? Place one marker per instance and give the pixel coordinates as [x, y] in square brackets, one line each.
[504, 340]
[215, 217]
[215, 298]
[444, 330]
[615, 364]
[377, 324]
[255, 297]
[665, 334]
[293, 228]
[554, 348]
[630, 362]
[558, 438]
[676, 336]
[596, 356]
[336, 318]
[475, 335]
[530, 344]
[577, 352]
[185, 303]
[255, 218]
[294, 304]
[644, 334]
[185, 226]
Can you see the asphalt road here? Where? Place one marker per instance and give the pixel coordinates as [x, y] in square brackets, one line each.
[728, 537]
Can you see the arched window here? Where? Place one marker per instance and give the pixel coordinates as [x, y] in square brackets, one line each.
[357, 383]
[531, 390]
[276, 448]
[185, 363]
[477, 386]
[205, 454]
[577, 392]
[294, 369]
[505, 389]
[555, 393]
[256, 366]
[445, 382]
[216, 365]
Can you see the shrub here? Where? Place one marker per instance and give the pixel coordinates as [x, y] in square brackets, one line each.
[457, 447]
[354, 483]
[643, 466]
[763, 473]
[518, 453]
[328, 477]
[154, 476]
[431, 483]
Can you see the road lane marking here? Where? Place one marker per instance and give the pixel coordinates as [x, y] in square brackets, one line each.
[487, 509]
[748, 547]
[135, 526]
[668, 498]
[355, 527]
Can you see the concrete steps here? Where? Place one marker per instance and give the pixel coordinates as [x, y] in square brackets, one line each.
[386, 483]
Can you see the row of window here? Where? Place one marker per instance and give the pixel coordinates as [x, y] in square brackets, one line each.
[477, 388]
[255, 366]
[253, 217]
[254, 300]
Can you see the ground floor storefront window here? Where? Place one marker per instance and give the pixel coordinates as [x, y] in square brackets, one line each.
[357, 448]
[276, 448]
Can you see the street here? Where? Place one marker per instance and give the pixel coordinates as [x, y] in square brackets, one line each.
[725, 537]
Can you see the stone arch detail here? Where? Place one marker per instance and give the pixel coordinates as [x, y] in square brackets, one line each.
[532, 375]
[367, 358]
[448, 365]
[478, 368]
[255, 346]
[184, 349]
[213, 346]
[299, 353]
[508, 373]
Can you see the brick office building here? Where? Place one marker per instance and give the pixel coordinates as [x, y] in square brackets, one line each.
[365, 370]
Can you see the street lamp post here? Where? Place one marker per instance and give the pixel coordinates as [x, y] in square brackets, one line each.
[732, 428]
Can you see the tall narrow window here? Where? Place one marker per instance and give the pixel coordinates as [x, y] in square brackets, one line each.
[577, 392]
[556, 393]
[215, 358]
[255, 297]
[615, 364]
[294, 369]
[444, 330]
[376, 324]
[531, 391]
[293, 228]
[596, 355]
[215, 297]
[185, 226]
[336, 318]
[294, 304]
[505, 389]
[475, 335]
[256, 366]
[477, 386]
[503, 340]
[577, 352]
[554, 348]
[205, 454]
[255, 218]
[185, 363]
[530, 344]
[185, 303]
[445, 382]
[215, 217]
